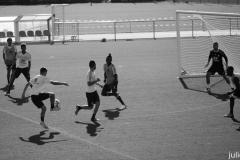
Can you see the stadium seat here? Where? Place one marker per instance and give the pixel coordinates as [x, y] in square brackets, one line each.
[2, 35]
[38, 33]
[30, 33]
[10, 34]
[46, 33]
[22, 34]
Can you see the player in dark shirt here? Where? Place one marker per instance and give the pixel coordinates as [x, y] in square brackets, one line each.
[217, 56]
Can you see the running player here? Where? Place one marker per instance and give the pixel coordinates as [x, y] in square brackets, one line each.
[37, 96]
[91, 92]
[111, 81]
[217, 65]
[9, 53]
[235, 94]
[24, 66]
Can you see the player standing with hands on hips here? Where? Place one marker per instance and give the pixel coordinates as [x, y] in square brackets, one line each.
[37, 96]
[217, 65]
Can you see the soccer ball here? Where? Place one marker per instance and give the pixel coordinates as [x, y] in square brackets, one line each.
[57, 103]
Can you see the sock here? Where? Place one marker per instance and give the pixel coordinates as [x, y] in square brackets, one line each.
[42, 119]
[93, 116]
[52, 106]
[208, 85]
[120, 100]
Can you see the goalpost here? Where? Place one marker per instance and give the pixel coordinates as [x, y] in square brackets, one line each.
[58, 14]
[196, 33]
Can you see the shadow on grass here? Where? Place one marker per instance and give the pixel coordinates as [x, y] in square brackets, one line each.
[4, 89]
[18, 101]
[38, 139]
[223, 97]
[92, 129]
[111, 114]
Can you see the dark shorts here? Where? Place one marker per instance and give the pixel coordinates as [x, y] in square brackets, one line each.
[106, 89]
[9, 66]
[24, 71]
[37, 99]
[92, 98]
[219, 69]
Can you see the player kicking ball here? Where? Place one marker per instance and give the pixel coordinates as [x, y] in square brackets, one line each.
[37, 83]
[91, 92]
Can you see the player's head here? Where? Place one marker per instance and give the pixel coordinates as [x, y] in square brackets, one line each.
[92, 65]
[215, 46]
[230, 70]
[9, 41]
[23, 46]
[109, 59]
[43, 71]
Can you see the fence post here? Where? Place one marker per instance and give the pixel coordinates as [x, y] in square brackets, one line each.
[154, 30]
[115, 31]
[192, 29]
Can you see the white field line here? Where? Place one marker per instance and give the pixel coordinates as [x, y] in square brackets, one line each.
[73, 136]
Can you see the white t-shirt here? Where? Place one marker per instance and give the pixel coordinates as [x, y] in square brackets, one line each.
[23, 59]
[110, 72]
[90, 78]
[38, 83]
[9, 52]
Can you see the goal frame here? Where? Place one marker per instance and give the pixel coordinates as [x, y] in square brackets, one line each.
[178, 12]
[53, 19]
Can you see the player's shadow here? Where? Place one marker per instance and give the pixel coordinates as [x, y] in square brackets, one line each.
[18, 101]
[39, 140]
[92, 129]
[111, 114]
[223, 97]
[4, 89]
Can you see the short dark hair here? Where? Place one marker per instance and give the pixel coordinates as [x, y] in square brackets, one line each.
[215, 43]
[109, 56]
[43, 69]
[9, 39]
[92, 63]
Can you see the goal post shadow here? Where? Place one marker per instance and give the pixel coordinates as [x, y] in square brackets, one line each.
[218, 84]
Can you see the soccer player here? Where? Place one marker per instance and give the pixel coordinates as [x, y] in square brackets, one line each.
[24, 66]
[9, 53]
[111, 81]
[235, 94]
[38, 97]
[217, 65]
[91, 92]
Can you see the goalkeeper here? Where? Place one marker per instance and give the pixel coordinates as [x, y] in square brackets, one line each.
[217, 65]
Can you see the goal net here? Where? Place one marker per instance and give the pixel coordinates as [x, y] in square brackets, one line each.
[196, 33]
[58, 29]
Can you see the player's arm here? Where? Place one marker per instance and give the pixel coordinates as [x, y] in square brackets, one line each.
[4, 54]
[225, 58]
[100, 85]
[105, 77]
[209, 58]
[14, 59]
[93, 82]
[25, 88]
[59, 83]
[29, 65]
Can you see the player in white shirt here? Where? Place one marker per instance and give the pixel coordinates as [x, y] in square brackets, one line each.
[9, 53]
[38, 96]
[23, 66]
[111, 81]
[91, 92]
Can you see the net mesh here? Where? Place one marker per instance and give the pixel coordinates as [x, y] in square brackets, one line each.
[198, 32]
